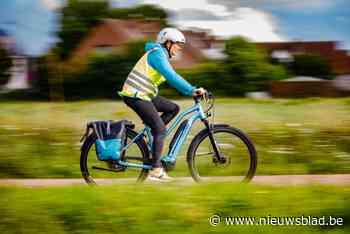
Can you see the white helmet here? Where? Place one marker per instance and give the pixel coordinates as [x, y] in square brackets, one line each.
[170, 34]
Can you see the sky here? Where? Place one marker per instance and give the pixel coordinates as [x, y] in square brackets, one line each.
[33, 23]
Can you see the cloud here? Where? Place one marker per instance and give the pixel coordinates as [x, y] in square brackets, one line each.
[194, 14]
[51, 4]
[278, 4]
[309, 4]
[172, 5]
[253, 24]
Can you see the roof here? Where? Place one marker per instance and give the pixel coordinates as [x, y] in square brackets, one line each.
[134, 28]
[115, 33]
[303, 79]
[326, 46]
[338, 59]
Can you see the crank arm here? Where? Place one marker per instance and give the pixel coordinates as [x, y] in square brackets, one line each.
[105, 169]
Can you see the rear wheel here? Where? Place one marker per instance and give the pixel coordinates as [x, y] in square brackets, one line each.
[239, 157]
[95, 171]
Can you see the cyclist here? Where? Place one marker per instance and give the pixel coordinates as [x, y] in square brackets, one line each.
[140, 91]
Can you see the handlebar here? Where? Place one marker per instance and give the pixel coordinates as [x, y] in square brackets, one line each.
[208, 97]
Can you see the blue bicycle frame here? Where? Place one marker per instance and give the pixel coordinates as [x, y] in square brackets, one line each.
[180, 139]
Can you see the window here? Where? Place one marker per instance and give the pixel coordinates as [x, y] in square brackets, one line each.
[103, 49]
[282, 56]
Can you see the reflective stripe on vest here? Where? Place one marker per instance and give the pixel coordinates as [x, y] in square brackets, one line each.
[142, 81]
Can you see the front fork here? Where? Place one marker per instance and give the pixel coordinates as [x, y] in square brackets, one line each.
[218, 157]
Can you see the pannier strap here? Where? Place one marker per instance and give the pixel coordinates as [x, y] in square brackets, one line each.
[87, 130]
[90, 125]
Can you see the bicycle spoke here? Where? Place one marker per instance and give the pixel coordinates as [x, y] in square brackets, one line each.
[236, 159]
[225, 145]
[134, 158]
[205, 154]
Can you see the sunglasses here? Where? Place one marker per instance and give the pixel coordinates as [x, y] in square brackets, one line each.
[180, 44]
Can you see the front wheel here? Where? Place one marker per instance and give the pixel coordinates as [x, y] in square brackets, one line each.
[238, 154]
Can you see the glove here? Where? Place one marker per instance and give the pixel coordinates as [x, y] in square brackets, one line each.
[198, 92]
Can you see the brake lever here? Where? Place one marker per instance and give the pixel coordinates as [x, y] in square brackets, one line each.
[205, 97]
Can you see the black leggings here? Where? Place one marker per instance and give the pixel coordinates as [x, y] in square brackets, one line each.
[148, 112]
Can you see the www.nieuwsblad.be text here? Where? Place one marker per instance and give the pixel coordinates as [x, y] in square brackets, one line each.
[302, 220]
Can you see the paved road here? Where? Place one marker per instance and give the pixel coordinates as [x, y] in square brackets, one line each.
[278, 180]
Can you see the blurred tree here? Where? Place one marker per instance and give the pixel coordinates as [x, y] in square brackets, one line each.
[311, 65]
[151, 12]
[247, 67]
[5, 65]
[49, 82]
[210, 75]
[135, 49]
[95, 82]
[58, 80]
[41, 84]
[78, 17]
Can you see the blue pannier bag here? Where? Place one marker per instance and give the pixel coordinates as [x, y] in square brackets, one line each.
[111, 136]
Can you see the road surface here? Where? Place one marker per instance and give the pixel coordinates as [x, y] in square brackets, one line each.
[278, 180]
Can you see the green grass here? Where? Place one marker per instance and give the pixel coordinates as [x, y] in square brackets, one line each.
[292, 136]
[167, 208]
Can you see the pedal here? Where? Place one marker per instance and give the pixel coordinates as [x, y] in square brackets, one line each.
[168, 165]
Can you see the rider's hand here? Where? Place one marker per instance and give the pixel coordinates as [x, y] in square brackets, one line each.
[198, 92]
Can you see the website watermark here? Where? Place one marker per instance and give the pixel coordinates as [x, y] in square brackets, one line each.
[301, 220]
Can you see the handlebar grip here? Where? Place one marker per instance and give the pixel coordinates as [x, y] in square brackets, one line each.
[197, 93]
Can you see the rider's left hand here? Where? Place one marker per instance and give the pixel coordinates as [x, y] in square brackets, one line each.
[198, 92]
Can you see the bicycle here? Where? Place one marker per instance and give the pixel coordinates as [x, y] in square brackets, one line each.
[210, 154]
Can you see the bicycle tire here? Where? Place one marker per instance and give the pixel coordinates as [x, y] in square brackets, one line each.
[204, 134]
[89, 142]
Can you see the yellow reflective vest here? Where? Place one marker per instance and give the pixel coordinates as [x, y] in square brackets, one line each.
[143, 81]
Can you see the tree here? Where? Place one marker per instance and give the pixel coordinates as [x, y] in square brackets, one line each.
[311, 65]
[104, 75]
[5, 65]
[247, 67]
[78, 17]
[140, 12]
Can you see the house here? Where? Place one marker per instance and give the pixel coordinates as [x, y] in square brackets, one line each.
[19, 72]
[309, 86]
[112, 34]
[302, 86]
[338, 59]
[211, 46]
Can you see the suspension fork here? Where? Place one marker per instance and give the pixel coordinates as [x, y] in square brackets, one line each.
[212, 140]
